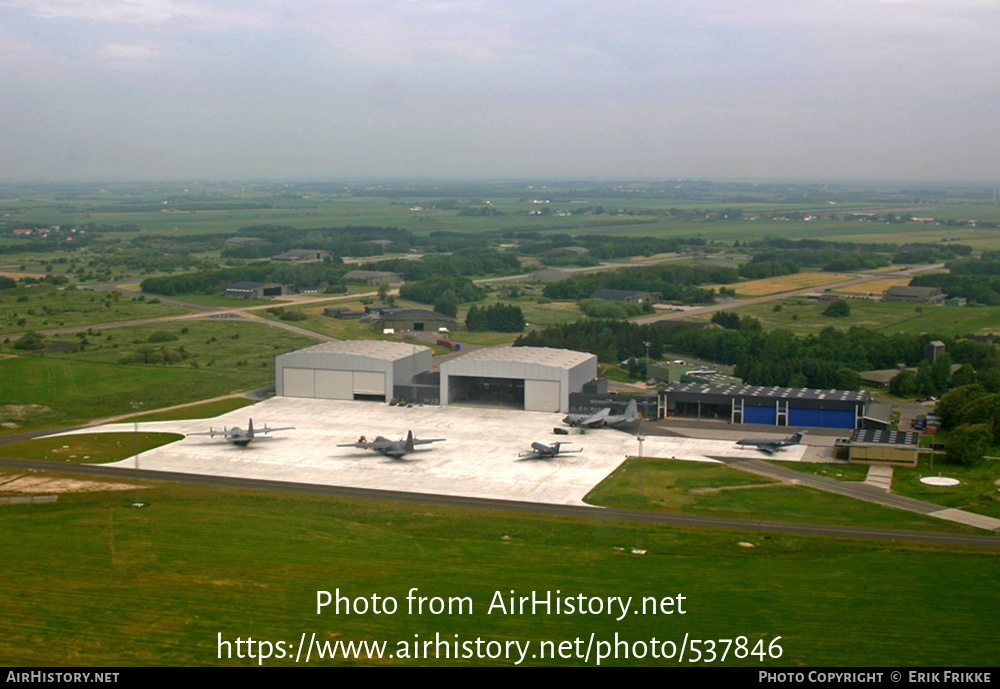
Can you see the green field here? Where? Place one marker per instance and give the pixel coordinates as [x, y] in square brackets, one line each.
[805, 317]
[43, 307]
[91, 581]
[87, 448]
[717, 490]
[223, 357]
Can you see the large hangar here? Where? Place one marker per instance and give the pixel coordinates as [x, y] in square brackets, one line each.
[773, 406]
[350, 369]
[529, 378]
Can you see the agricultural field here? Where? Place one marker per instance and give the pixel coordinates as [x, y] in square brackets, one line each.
[785, 283]
[804, 317]
[200, 564]
[873, 287]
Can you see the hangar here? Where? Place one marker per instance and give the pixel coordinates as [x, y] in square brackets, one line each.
[529, 378]
[350, 370]
[766, 405]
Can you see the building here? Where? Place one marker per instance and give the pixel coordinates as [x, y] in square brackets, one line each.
[373, 277]
[419, 320]
[351, 370]
[625, 295]
[772, 406]
[303, 256]
[529, 378]
[890, 448]
[914, 295]
[254, 290]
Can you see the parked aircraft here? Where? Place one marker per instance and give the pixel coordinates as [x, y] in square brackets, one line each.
[543, 451]
[391, 448]
[238, 436]
[772, 445]
[604, 418]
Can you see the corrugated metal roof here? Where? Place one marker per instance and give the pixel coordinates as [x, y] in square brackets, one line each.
[376, 349]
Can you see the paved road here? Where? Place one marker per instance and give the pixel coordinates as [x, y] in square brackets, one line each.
[755, 525]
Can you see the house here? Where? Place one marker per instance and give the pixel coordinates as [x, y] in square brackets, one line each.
[373, 277]
[302, 255]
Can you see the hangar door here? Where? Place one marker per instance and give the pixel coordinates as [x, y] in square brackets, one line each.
[541, 395]
[332, 384]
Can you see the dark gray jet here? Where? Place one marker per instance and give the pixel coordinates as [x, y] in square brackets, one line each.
[391, 448]
[543, 451]
[772, 445]
[238, 436]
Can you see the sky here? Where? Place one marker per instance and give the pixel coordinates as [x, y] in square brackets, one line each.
[477, 89]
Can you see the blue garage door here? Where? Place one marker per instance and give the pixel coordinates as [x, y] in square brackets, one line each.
[766, 415]
[821, 418]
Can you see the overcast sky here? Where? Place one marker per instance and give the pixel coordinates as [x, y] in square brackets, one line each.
[819, 89]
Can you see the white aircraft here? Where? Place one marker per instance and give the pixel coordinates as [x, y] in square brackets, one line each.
[772, 445]
[543, 451]
[391, 448]
[238, 436]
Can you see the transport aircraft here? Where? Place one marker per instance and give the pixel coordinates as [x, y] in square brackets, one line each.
[392, 448]
[772, 445]
[239, 436]
[543, 451]
[604, 418]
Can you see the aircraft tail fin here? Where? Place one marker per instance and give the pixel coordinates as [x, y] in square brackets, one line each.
[409, 441]
[798, 436]
[250, 429]
[632, 411]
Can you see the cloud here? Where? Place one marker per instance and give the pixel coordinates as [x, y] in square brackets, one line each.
[141, 12]
[127, 55]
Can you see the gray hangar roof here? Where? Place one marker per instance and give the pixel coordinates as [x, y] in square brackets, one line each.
[374, 349]
[504, 357]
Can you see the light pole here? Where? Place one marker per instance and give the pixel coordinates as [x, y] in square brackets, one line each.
[647, 364]
[638, 550]
[135, 417]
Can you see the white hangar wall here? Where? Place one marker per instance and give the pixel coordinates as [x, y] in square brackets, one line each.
[345, 369]
[548, 375]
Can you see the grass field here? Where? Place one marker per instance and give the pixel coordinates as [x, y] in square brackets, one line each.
[45, 308]
[87, 573]
[223, 357]
[713, 489]
[803, 317]
[87, 448]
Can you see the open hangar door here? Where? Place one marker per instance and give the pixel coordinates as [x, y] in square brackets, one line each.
[503, 392]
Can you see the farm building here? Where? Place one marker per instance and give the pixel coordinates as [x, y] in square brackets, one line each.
[772, 406]
[529, 378]
[350, 370]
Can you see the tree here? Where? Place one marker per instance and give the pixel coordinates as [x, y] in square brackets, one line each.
[838, 309]
[967, 444]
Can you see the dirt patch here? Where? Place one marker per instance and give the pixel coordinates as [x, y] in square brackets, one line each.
[722, 488]
[35, 485]
[19, 412]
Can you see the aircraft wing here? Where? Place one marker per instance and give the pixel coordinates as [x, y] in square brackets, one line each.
[213, 433]
[769, 448]
[265, 429]
[428, 440]
[595, 418]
